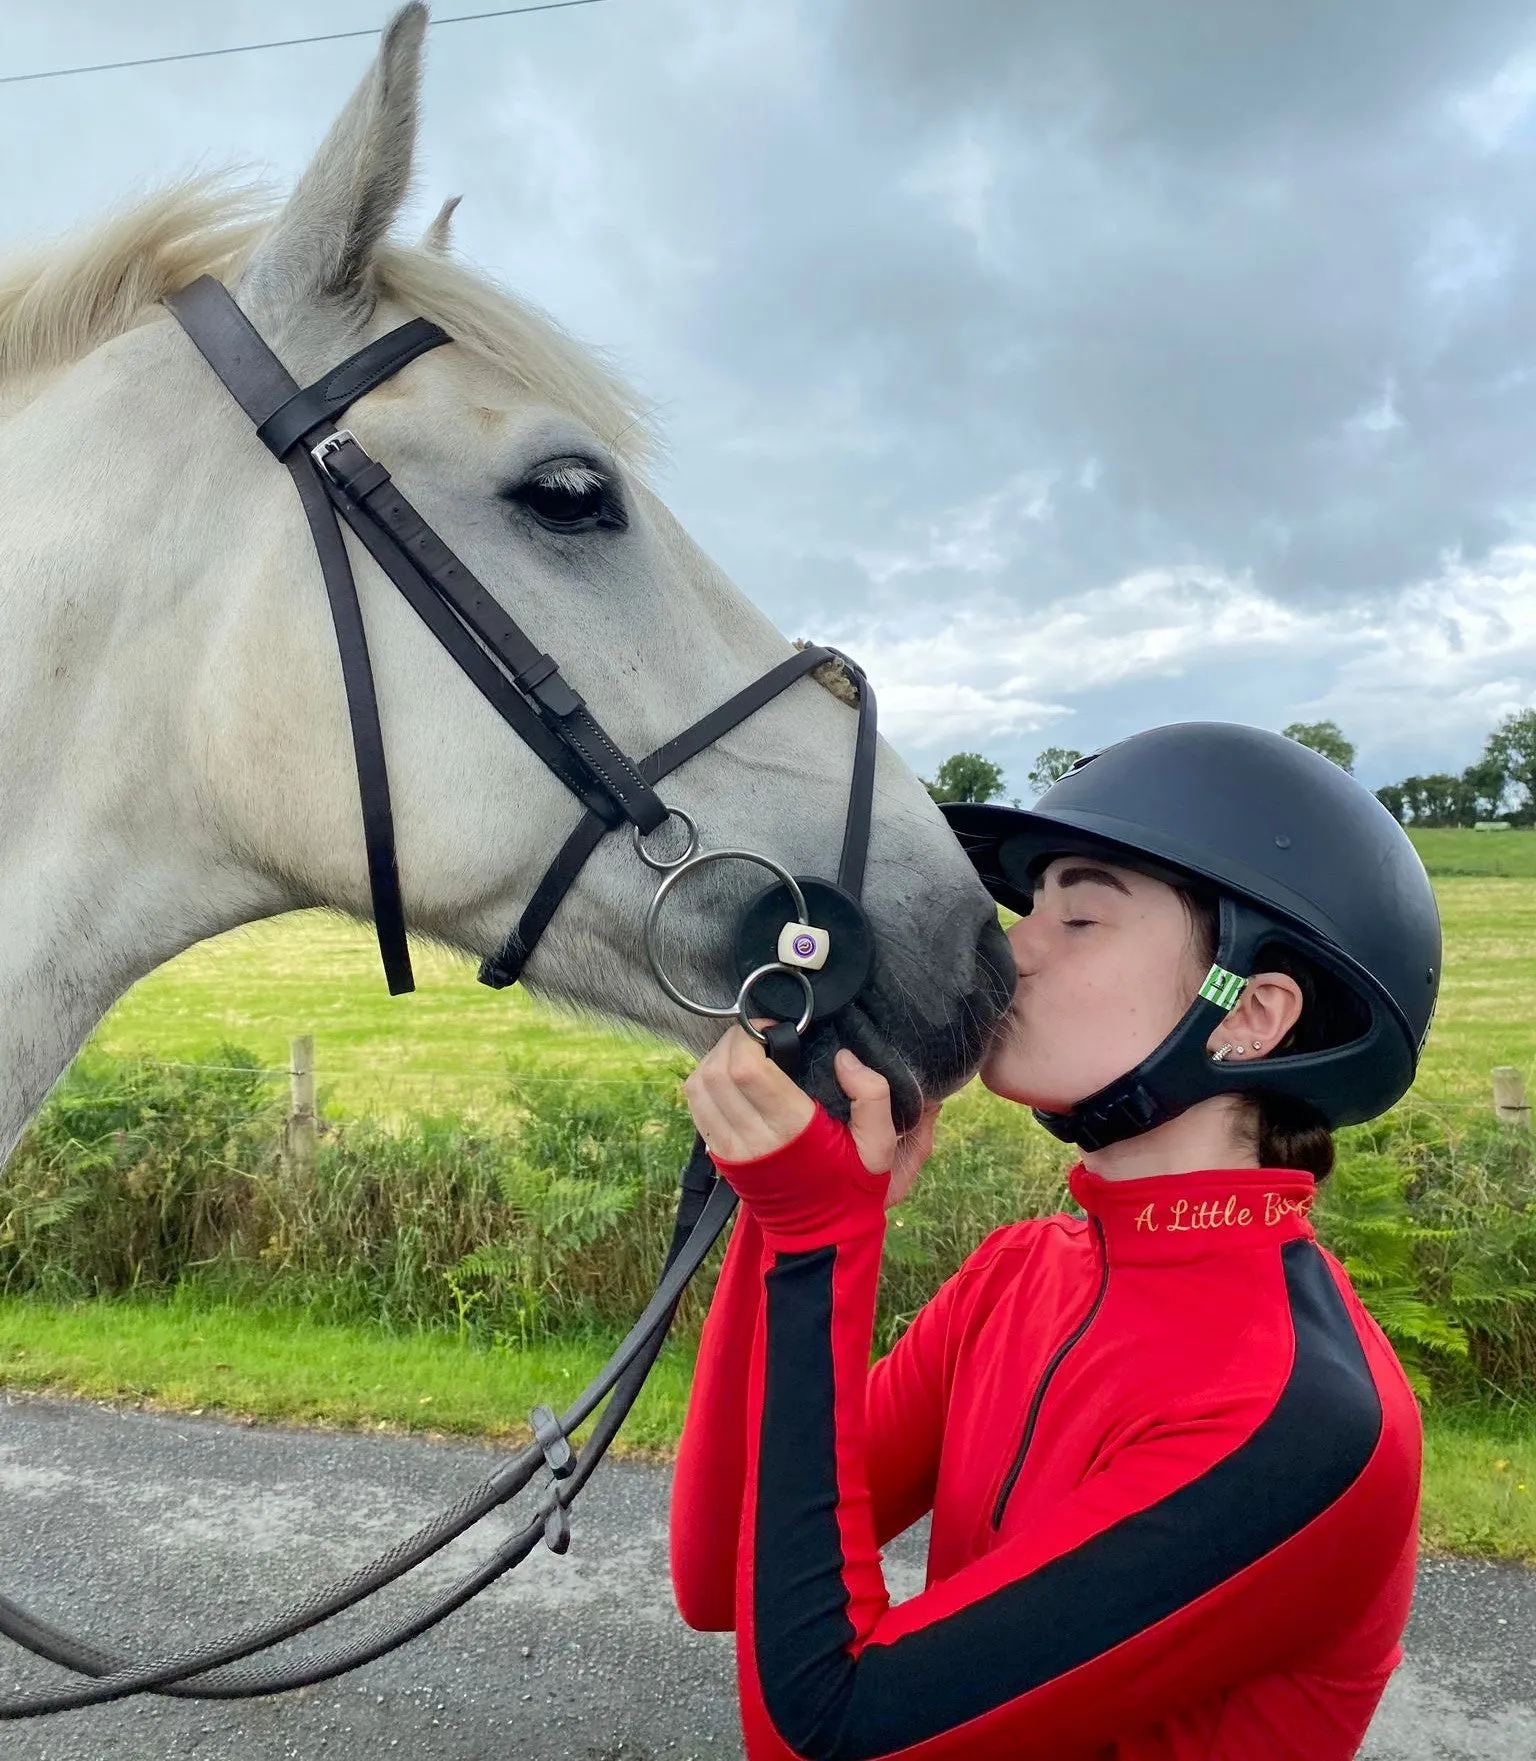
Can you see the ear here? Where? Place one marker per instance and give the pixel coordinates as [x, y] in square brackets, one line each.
[322, 243]
[1268, 1009]
[438, 236]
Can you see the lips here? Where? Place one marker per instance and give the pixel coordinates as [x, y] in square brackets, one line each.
[921, 1061]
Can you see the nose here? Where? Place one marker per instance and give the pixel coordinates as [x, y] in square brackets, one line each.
[996, 966]
[1022, 945]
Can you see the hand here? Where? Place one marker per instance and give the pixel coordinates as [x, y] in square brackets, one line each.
[748, 1112]
[745, 1107]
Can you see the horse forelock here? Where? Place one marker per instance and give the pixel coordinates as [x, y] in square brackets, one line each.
[62, 301]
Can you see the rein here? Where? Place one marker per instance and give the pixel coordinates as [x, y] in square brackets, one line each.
[787, 965]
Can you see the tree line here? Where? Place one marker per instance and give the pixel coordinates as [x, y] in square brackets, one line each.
[1499, 786]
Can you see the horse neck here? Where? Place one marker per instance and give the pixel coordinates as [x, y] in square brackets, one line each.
[104, 872]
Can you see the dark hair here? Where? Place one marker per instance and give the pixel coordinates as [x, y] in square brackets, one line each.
[1290, 1133]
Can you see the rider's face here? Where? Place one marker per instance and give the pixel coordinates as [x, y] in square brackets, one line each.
[1107, 966]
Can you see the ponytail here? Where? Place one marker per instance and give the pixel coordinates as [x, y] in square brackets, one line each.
[1291, 1135]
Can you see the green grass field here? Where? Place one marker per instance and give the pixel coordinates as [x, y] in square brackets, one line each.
[452, 1047]
[448, 1046]
[1464, 851]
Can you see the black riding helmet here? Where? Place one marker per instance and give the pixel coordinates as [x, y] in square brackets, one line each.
[1297, 853]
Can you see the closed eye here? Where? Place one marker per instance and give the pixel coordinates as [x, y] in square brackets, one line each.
[570, 495]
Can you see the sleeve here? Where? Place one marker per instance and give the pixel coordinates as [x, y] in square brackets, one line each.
[709, 1481]
[1206, 1551]
[904, 1428]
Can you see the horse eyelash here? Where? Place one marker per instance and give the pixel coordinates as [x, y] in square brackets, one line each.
[575, 478]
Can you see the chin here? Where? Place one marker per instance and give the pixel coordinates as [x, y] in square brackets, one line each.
[1004, 1078]
[1007, 1086]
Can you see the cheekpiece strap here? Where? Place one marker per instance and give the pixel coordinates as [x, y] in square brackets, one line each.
[260, 383]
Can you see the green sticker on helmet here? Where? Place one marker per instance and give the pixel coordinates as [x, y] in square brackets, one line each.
[1222, 988]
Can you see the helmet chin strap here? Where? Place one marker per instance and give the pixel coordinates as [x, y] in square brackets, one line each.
[1180, 1072]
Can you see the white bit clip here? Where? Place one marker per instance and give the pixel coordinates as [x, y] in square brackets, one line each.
[802, 944]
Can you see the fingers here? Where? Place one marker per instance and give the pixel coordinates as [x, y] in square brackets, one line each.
[743, 1105]
[869, 1111]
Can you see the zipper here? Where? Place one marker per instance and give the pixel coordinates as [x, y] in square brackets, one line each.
[1050, 1370]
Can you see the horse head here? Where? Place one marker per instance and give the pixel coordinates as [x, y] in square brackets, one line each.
[184, 759]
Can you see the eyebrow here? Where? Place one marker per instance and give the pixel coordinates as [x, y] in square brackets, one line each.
[1072, 877]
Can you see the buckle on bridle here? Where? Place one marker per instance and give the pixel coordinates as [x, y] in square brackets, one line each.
[331, 443]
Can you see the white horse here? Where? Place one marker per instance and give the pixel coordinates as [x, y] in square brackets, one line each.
[174, 748]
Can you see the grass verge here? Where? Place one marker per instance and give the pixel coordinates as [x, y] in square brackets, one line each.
[253, 1364]
[1480, 1482]
[1479, 1464]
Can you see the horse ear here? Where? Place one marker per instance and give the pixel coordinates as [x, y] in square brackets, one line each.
[439, 235]
[323, 241]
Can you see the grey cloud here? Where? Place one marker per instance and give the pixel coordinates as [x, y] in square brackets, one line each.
[1204, 266]
[980, 301]
[1185, 76]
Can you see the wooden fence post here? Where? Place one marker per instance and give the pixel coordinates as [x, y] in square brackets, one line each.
[1510, 1107]
[301, 1132]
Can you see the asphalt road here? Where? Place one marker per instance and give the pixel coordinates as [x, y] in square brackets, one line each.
[149, 1532]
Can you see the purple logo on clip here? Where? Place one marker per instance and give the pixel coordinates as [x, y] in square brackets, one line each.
[804, 946]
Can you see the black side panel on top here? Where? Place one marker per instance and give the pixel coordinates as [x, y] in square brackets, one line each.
[800, 1606]
[828, 1707]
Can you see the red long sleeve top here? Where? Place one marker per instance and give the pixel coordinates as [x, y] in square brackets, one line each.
[1172, 1465]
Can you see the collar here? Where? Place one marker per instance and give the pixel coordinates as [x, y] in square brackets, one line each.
[1166, 1217]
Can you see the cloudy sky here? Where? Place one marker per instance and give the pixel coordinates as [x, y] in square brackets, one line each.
[1079, 368]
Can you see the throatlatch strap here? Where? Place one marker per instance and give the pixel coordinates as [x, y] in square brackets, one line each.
[367, 732]
[259, 383]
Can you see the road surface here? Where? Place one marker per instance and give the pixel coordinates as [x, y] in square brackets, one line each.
[152, 1531]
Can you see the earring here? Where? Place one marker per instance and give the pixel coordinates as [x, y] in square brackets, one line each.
[1218, 1057]
[1258, 1044]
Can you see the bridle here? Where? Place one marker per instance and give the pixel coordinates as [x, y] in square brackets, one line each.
[803, 950]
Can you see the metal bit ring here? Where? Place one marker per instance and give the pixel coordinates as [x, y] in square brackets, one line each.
[672, 874]
[664, 865]
[744, 998]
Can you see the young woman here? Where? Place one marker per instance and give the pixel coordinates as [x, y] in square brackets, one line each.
[1172, 1463]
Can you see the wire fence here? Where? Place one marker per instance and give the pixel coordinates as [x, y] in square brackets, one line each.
[515, 1077]
[350, 1087]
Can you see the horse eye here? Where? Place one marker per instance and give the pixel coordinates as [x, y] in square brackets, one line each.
[568, 497]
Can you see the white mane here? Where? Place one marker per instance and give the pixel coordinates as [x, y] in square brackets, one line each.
[61, 302]
[175, 751]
